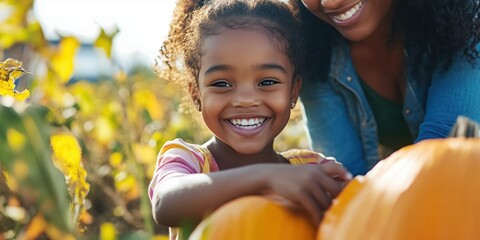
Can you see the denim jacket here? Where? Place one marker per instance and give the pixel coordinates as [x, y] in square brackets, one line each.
[341, 124]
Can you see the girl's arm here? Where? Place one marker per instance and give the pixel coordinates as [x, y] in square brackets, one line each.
[192, 196]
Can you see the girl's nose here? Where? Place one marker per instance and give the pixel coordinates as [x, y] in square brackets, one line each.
[246, 98]
[331, 4]
[245, 102]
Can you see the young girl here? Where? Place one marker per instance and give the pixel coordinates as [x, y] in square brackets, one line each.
[244, 58]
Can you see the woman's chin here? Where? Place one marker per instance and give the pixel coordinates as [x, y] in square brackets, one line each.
[355, 35]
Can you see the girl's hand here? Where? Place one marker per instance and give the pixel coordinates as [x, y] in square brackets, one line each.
[331, 168]
[312, 187]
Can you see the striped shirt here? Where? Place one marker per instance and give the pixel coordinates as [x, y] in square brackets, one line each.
[178, 158]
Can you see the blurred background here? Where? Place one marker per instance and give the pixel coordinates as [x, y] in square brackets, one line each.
[91, 70]
[142, 26]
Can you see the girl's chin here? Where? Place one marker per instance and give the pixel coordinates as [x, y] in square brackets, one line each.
[248, 148]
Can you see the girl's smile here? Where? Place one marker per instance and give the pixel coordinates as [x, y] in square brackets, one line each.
[248, 127]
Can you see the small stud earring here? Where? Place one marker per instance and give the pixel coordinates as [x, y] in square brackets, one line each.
[197, 105]
[293, 104]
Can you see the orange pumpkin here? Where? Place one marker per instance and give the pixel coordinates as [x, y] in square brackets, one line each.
[429, 190]
[255, 217]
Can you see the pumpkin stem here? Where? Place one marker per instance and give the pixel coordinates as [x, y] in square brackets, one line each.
[465, 127]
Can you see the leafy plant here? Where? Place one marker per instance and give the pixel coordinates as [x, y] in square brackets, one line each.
[98, 139]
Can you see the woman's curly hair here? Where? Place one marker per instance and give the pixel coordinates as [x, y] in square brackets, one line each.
[439, 28]
[194, 20]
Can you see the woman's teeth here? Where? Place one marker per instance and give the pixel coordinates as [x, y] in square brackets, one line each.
[247, 123]
[348, 14]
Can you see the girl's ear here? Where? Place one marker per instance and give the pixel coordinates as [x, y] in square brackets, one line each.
[297, 85]
[195, 94]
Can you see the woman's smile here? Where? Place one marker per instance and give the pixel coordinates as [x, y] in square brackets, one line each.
[356, 20]
[346, 14]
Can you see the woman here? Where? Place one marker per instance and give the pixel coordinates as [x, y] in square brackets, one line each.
[387, 73]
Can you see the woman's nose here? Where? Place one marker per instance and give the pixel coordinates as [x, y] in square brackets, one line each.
[331, 4]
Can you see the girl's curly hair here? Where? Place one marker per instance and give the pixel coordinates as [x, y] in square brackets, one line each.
[439, 28]
[194, 20]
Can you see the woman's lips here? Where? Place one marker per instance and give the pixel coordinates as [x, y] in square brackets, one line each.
[349, 15]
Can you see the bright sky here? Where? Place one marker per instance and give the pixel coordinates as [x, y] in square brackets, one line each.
[143, 24]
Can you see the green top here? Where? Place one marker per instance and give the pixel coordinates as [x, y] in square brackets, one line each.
[391, 126]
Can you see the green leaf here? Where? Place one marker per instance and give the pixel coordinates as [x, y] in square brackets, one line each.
[25, 148]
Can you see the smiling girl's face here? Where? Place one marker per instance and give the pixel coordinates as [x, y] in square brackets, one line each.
[245, 88]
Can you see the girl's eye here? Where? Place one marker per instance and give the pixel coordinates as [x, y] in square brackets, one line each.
[268, 82]
[221, 84]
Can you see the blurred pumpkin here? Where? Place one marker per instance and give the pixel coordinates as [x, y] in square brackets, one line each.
[255, 217]
[428, 190]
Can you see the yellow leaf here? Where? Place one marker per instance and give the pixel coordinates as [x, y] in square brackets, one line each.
[118, 211]
[84, 93]
[104, 41]
[54, 233]
[52, 90]
[10, 70]
[12, 183]
[63, 61]
[86, 218]
[67, 156]
[37, 226]
[144, 154]
[11, 34]
[146, 99]
[16, 140]
[160, 237]
[115, 159]
[6, 88]
[66, 150]
[107, 231]
[21, 8]
[103, 131]
[20, 96]
[36, 37]
[121, 76]
[20, 169]
[127, 185]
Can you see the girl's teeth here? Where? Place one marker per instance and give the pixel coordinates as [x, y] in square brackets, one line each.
[248, 123]
[348, 14]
